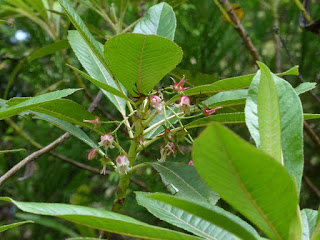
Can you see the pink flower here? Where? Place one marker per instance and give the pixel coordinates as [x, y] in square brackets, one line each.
[208, 112]
[106, 141]
[92, 154]
[166, 151]
[96, 121]
[156, 102]
[190, 162]
[178, 87]
[184, 104]
[122, 164]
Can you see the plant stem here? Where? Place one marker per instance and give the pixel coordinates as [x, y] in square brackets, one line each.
[303, 10]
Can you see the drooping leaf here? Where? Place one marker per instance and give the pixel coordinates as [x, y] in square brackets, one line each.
[309, 218]
[291, 124]
[159, 20]
[269, 119]
[101, 219]
[209, 222]
[10, 111]
[47, 222]
[94, 67]
[140, 61]
[305, 87]
[6, 227]
[184, 181]
[12, 150]
[68, 127]
[102, 85]
[249, 180]
[49, 49]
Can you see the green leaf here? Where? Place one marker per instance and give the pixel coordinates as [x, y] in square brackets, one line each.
[228, 98]
[269, 115]
[316, 231]
[102, 85]
[68, 127]
[207, 222]
[291, 124]
[49, 49]
[309, 218]
[6, 227]
[249, 180]
[226, 118]
[140, 61]
[308, 116]
[10, 111]
[83, 238]
[95, 68]
[159, 20]
[184, 181]
[101, 219]
[305, 87]
[12, 150]
[292, 71]
[47, 222]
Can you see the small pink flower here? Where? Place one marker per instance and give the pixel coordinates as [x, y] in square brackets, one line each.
[106, 141]
[184, 104]
[178, 87]
[166, 151]
[208, 112]
[96, 121]
[122, 164]
[156, 102]
[93, 154]
[190, 162]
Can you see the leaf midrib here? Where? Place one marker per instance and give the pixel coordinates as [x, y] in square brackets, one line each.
[140, 66]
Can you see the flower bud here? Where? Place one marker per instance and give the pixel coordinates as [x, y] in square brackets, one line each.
[93, 154]
[96, 121]
[122, 164]
[208, 112]
[190, 162]
[184, 104]
[106, 141]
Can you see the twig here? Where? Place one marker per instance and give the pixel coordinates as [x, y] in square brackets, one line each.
[242, 32]
[312, 186]
[303, 10]
[314, 137]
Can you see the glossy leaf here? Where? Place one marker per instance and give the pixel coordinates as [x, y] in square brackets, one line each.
[49, 49]
[159, 20]
[12, 150]
[249, 180]
[291, 124]
[10, 111]
[309, 218]
[101, 219]
[6, 227]
[184, 181]
[147, 59]
[208, 222]
[305, 87]
[94, 67]
[269, 114]
[68, 127]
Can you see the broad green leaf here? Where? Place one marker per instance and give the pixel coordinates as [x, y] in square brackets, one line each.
[228, 98]
[269, 114]
[227, 84]
[316, 231]
[208, 222]
[68, 127]
[193, 79]
[251, 181]
[309, 218]
[10, 111]
[226, 118]
[101, 219]
[12, 150]
[102, 85]
[49, 49]
[6, 227]
[94, 67]
[140, 61]
[291, 124]
[184, 181]
[47, 222]
[159, 20]
[305, 87]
